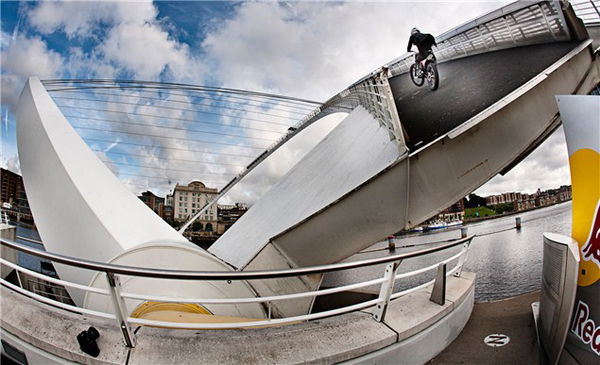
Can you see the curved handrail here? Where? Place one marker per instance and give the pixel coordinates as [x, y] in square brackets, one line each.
[221, 275]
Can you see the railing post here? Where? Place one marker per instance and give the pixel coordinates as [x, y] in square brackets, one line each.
[390, 105]
[385, 292]
[595, 7]
[509, 30]
[114, 286]
[438, 293]
[462, 259]
[392, 243]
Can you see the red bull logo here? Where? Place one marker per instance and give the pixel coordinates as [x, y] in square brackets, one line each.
[591, 249]
[585, 177]
[585, 328]
[579, 114]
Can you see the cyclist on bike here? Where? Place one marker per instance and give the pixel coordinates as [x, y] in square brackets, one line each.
[423, 41]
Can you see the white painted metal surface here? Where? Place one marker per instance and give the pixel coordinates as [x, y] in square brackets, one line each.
[357, 149]
[81, 209]
[583, 128]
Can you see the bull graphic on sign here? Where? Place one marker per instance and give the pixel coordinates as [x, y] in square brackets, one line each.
[591, 249]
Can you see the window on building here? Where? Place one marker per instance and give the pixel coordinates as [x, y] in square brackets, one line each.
[208, 227]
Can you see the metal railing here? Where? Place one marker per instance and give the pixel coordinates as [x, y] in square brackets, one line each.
[517, 24]
[588, 11]
[4, 217]
[118, 296]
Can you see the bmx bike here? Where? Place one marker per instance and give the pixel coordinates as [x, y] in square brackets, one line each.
[426, 69]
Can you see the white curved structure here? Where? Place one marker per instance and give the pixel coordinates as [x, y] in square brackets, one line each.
[82, 209]
[358, 185]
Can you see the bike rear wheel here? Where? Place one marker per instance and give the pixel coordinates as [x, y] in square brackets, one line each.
[414, 75]
[432, 76]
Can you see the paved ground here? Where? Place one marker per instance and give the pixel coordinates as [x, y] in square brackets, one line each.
[511, 317]
[468, 86]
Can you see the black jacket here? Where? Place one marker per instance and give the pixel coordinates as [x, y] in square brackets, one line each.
[423, 41]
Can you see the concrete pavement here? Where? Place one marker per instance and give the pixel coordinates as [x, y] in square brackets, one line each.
[511, 317]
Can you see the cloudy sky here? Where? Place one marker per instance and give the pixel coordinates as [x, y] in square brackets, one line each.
[308, 50]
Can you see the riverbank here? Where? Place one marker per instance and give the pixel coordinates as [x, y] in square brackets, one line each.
[508, 214]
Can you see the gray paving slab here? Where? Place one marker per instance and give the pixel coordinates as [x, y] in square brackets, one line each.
[328, 340]
[412, 313]
[55, 330]
[511, 317]
[455, 287]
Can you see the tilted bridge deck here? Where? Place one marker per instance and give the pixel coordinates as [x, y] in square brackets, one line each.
[468, 86]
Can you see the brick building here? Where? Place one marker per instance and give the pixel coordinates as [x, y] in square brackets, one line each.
[189, 199]
[154, 202]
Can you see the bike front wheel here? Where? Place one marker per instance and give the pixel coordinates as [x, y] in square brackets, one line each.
[416, 75]
[432, 76]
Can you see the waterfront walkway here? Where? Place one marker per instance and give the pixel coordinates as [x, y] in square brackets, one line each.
[511, 317]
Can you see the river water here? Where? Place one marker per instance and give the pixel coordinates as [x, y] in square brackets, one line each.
[507, 262]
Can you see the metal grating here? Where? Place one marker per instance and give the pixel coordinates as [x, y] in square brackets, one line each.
[588, 11]
[552, 270]
[506, 28]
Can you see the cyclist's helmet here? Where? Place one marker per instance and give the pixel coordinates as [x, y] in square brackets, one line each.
[414, 30]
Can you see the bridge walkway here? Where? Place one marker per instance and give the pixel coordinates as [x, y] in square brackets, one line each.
[468, 86]
[511, 317]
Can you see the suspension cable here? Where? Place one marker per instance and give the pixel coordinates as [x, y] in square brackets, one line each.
[171, 138]
[171, 85]
[167, 117]
[163, 168]
[303, 109]
[183, 120]
[170, 108]
[169, 177]
[189, 130]
[168, 148]
[168, 158]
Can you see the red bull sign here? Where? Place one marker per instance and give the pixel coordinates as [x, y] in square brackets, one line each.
[585, 328]
[591, 249]
[581, 120]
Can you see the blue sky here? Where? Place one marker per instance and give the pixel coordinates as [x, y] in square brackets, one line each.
[305, 49]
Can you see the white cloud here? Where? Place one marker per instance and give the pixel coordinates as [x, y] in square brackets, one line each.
[83, 18]
[146, 50]
[128, 36]
[315, 49]
[12, 163]
[22, 58]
